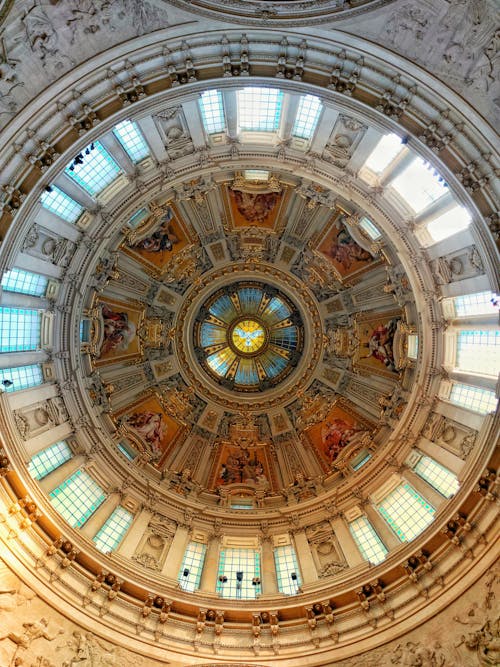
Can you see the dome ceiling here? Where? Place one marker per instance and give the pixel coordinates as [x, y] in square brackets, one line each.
[250, 342]
[243, 346]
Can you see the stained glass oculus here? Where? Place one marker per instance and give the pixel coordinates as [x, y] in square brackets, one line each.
[248, 336]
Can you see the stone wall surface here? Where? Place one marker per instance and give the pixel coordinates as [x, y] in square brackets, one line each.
[33, 634]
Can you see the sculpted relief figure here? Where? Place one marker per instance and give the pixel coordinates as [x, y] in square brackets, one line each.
[89, 651]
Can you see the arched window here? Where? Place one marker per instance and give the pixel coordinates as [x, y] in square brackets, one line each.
[192, 566]
[113, 531]
[50, 458]
[369, 543]
[77, 498]
[287, 570]
[406, 512]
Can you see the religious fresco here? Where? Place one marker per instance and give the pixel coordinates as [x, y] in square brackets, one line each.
[163, 236]
[115, 337]
[242, 465]
[152, 428]
[346, 255]
[376, 335]
[258, 209]
[341, 427]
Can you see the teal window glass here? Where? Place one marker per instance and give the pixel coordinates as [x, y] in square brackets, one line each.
[24, 282]
[21, 377]
[367, 225]
[479, 351]
[130, 137]
[61, 204]
[192, 566]
[125, 451]
[241, 567]
[474, 398]
[480, 303]
[406, 512]
[287, 570]
[439, 477]
[138, 217]
[212, 111]
[95, 169]
[19, 329]
[77, 498]
[368, 542]
[50, 458]
[113, 531]
[307, 117]
[359, 461]
[259, 109]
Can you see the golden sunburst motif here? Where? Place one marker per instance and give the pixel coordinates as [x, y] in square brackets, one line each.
[248, 336]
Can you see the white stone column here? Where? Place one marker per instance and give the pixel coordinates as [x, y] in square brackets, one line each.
[194, 122]
[150, 132]
[173, 561]
[47, 438]
[38, 265]
[422, 487]
[73, 190]
[14, 359]
[231, 110]
[131, 540]
[324, 128]
[435, 209]
[208, 580]
[305, 557]
[450, 461]
[381, 527]
[101, 515]
[268, 569]
[403, 160]
[118, 153]
[288, 113]
[25, 397]
[61, 474]
[346, 541]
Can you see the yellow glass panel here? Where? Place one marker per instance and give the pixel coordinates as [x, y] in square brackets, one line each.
[248, 336]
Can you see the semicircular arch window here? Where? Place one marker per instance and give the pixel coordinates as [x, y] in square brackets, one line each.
[248, 336]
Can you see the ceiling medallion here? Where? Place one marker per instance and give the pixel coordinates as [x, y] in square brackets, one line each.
[241, 340]
[248, 336]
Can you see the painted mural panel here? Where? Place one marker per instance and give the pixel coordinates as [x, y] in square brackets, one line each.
[340, 428]
[116, 332]
[375, 333]
[259, 209]
[347, 256]
[152, 428]
[242, 466]
[158, 243]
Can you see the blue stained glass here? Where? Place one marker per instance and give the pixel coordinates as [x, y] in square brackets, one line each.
[223, 308]
[250, 299]
[211, 334]
[276, 310]
[247, 372]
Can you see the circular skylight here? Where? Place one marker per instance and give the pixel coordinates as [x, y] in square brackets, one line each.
[248, 336]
